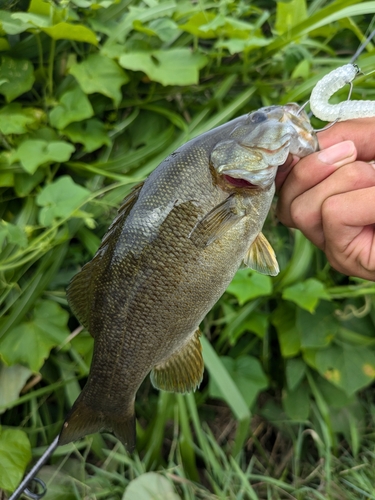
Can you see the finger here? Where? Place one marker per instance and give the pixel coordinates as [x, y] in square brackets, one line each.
[307, 210]
[360, 131]
[283, 170]
[348, 224]
[309, 172]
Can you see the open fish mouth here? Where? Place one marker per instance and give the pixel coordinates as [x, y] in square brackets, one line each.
[238, 182]
[251, 179]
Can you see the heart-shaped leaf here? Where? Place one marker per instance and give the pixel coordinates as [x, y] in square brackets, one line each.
[169, 67]
[35, 152]
[16, 77]
[101, 74]
[15, 454]
[74, 106]
[31, 342]
[60, 199]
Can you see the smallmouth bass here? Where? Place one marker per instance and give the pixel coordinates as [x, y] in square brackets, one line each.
[169, 255]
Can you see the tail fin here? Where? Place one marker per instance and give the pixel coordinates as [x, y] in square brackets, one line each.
[83, 420]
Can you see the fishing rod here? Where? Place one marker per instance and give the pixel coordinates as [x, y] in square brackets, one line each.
[24, 487]
[26, 484]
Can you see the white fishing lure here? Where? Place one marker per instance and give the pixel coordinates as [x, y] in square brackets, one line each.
[346, 110]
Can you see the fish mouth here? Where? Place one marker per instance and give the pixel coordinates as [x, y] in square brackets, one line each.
[255, 179]
[238, 182]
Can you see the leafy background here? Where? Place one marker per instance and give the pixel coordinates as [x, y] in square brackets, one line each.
[94, 94]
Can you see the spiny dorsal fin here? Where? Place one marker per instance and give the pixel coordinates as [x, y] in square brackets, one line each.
[78, 292]
[216, 223]
[122, 212]
[261, 257]
[183, 371]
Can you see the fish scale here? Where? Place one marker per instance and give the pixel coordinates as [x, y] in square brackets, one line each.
[169, 255]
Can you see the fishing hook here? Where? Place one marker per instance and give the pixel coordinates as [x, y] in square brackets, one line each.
[31, 476]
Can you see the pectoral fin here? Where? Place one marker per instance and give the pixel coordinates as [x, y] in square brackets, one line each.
[183, 371]
[261, 257]
[217, 222]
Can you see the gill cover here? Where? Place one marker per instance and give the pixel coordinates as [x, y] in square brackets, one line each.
[257, 147]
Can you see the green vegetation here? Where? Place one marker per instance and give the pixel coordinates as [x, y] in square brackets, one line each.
[94, 94]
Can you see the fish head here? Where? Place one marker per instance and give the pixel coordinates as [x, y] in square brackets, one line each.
[261, 142]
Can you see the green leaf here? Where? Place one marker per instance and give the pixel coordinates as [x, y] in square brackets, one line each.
[168, 67]
[238, 45]
[295, 371]
[16, 77]
[14, 119]
[68, 31]
[349, 367]
[10, 25]
[15, 454]
[284, 320]
[12, 381]
[248, 375]
[306, 294]
[248, 284]
[99, 73]
[60, 199]
[74, 106]
[318, 329]
[14, 234]
[25, 183]
[198, 20]
[296, 403]
[38, 20]
[153, 10]
[91, 133]
[41, 7]
[337, 397]
[6, 179]
[290, 14]
[31, 342]
[35, 152]
[257, 323]
[150, 486]
[164, 28]
[4, 44]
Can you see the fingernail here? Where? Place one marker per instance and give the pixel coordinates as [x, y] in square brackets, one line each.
[335, 155]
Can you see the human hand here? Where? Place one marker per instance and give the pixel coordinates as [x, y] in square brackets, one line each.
[330, 196]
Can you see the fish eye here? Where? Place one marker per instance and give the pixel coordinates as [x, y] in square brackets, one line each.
[258, 117]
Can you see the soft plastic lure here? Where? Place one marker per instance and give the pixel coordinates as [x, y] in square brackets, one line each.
[346, 110]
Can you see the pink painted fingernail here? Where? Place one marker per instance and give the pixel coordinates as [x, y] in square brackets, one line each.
[336, 154]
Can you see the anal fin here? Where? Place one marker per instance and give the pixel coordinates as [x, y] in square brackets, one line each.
[183, 371]
[261, 257]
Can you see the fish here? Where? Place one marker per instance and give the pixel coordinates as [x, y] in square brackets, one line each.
[170, 253]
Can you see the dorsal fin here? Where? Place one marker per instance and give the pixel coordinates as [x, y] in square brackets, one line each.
[78, 292]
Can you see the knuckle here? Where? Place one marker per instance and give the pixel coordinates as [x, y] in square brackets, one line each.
[302, 215]
[331, 208]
